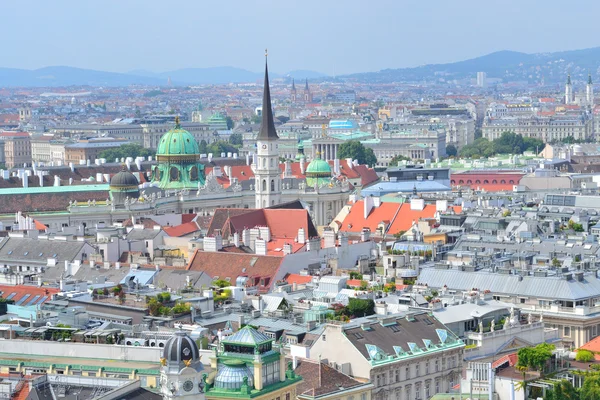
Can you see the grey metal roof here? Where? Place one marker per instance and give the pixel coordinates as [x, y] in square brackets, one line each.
[528, 286]
[142, 234]
[38, 251]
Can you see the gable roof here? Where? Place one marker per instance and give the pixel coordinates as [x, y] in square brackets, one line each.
[321, 379]
[233, 265]
[182, 230]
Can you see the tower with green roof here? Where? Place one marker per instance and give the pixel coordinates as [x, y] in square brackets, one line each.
[178, 157]
[246, 365]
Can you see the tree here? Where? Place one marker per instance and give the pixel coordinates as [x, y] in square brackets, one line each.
[591, 388]
[535, 357]
[356, 150]
[221, 146]
[230, 123]
[508, 143]
[562, 390]
[555, 262]
[221, 283]
[584, 355]
[236, 139]
[132, 150]
[203, 146]
[451, 150]
[360, 307]
[397, 158]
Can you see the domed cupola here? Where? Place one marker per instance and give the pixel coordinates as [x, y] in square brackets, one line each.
[178, 157]
[318, 172]
[124, 185]
[181, 351]
[234, 375]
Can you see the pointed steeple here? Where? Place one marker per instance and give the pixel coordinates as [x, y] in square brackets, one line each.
[306, 85]
[589, 79]
[293, 85]
[267, 126]
[569, 79]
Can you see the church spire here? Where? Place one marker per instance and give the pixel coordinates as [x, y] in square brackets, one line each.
[306, 84]
[293, 85]
[267, 127]
[569, 79]
[589, 79]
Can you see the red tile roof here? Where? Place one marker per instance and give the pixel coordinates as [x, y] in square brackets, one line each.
[399, 215]
[20, 291]
[511, 359]
[298, 279]
[593, 346]
[353, 282]
[182, 230]
[233, 265]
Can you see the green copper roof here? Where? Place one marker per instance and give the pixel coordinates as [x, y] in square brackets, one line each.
[247, 335]
[318, 167]
[177, 142]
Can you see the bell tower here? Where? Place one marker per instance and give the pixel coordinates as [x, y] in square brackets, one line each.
[589, 92]
[266, 173]
[568, 91]
[307, 94]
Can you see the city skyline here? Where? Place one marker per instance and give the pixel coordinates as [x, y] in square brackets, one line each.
[120, 37]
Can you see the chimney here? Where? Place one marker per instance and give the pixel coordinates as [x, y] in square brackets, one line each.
[441, 205]
[368, 205]
[417, 204]
[41, 176]
[216, 171]
[343, 240]
[213, 243]
[260, 246]
[376, 201]
[301, 236]
[99, 177]
[365, 234]
[265, 233]
[56, 180]
[138, 163]
[236, 239]
[248, 159]
[87, 162]
[328, 238]
[314, 244]
[72, 167]
[128, 164]
[246, 237]
[25, 181]
[287, 248]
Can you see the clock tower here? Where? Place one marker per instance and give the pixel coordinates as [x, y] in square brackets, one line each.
[266, 171]
[181, 369]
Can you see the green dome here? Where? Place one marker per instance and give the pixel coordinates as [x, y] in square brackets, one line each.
[318, 167]
[177, 142]
[318, 172]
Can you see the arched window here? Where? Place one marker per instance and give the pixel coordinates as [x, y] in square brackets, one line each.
[469, 182]
[174, 174]
[194, 173]
[477, 181]
[272, 185]
[494, 181]
[453, 182]
[461, 182]
[264, 203]
[502, 181]
[486, 181]
[511, 181]
[264, 162]
[264, 185]
[157, 173]
[271, 162]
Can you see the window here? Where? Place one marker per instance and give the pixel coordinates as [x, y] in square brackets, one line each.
[407, 373]
[418, 369]
[272, 185]
[264, 185]
[567, 331]
[362, 396]
[426, 367]
[397, 375]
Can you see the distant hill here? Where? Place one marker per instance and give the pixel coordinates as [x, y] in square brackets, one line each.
[505, 65]
[69, 76]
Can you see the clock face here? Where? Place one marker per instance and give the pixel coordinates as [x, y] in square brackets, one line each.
[264, 146]
[188, 386]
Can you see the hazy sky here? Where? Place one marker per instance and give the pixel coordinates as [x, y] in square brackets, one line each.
[340, 36]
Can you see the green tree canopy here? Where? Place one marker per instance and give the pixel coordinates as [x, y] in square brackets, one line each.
[562, 390]
[451, 150]
[219, 147]
[125, 150]
[591, 388]
[360, 307]
[357, 151]
[396, 159]
[584, 356]
[535, 357]
[236, 139]
[230, 123]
